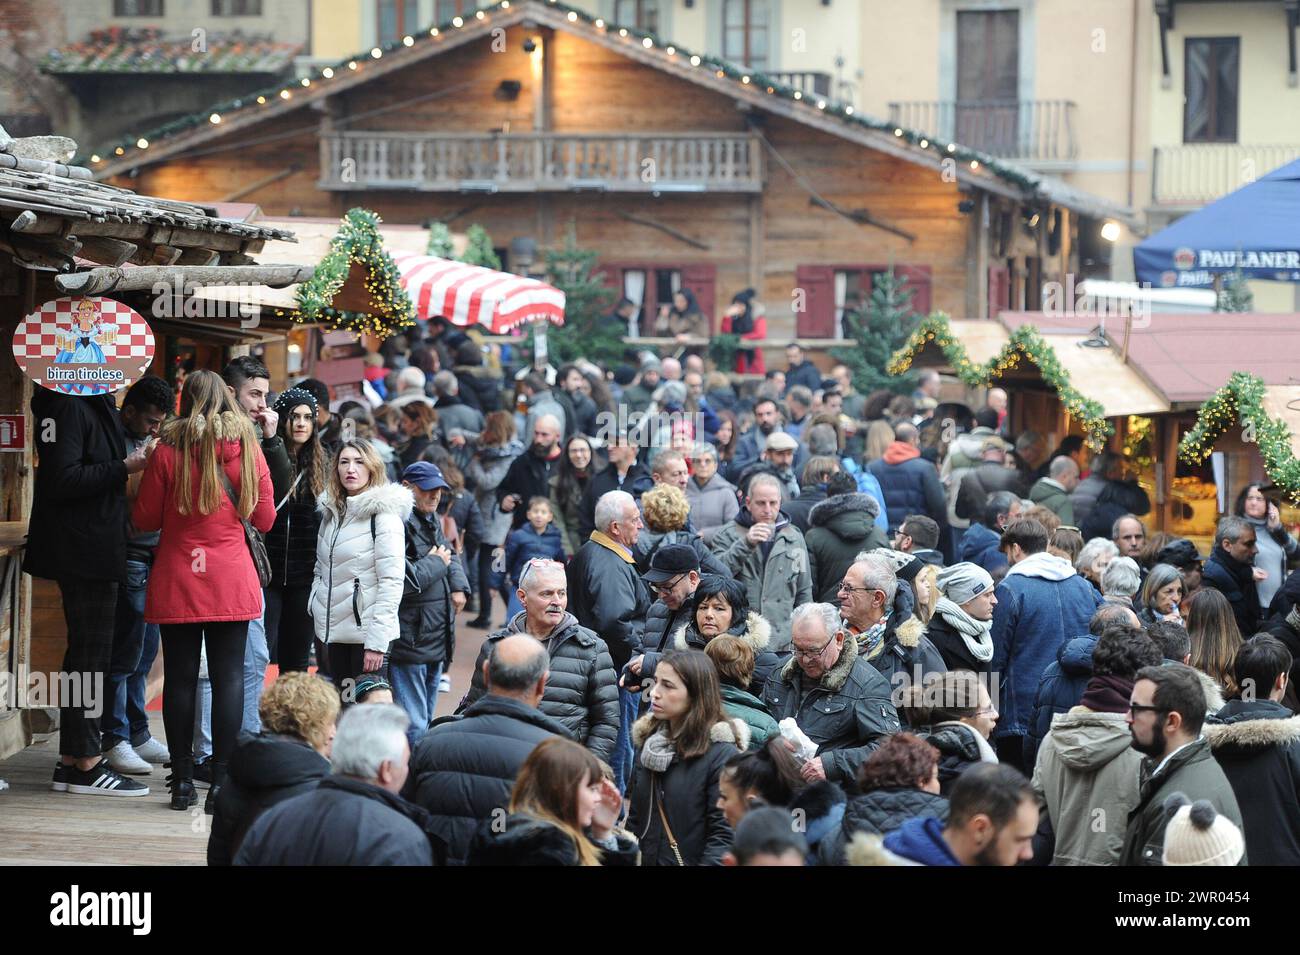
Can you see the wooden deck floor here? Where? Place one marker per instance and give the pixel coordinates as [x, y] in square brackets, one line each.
[42, 827]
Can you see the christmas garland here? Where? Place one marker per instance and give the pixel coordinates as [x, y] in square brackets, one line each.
[1242, 399]
[358, 242]
[1025, 342]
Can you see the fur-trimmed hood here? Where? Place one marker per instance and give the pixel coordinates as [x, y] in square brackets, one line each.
[732, 731]
[384, 499]
[869, 849]
[757, 634]
[1213, 692]
[1255, 725]
[853, 503]
[910, 632]
[832, 680]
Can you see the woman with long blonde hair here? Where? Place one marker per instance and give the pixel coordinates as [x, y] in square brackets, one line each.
[205, 477]
[360, 563]
[562, 812]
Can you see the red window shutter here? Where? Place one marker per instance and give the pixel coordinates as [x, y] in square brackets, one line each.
[612, 275]
[918, 280]
[999, 290]
[703, 280]
[817, 320]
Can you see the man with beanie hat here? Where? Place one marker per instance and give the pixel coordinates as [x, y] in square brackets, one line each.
[1197, 835]
[877, 614]
[1087, 768]
[963, 617]
[1165, 715]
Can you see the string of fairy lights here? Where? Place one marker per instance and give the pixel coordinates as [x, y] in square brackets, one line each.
[1242, 400]
[1024, 343]
[359, 243]
[721, 69]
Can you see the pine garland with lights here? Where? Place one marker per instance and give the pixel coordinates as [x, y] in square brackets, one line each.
[1242, 400]
[1025, 342]
[357, 243]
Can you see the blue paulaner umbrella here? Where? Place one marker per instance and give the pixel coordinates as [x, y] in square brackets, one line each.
[1255, 229]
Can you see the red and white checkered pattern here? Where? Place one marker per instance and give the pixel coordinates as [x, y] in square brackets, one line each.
[468, 294]
[36, 337]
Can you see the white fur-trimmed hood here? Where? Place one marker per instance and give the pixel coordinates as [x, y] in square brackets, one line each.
[390, 498]
[1253, 734]
[733, 731]
[758, 634]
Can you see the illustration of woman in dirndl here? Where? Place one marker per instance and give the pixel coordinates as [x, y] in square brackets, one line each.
[83, 345]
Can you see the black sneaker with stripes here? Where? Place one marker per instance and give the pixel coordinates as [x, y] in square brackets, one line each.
[102, 780]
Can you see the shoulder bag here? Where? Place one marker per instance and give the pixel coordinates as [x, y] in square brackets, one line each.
[256, 543]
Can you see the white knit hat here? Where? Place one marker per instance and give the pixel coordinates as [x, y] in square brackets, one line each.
[1198, 835]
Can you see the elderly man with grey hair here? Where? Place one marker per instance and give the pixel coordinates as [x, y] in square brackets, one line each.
[767, 553]
[839, 700]
[609, 598]
[1053, 492]
[411, 383]
[465, 766]
[354, 817]
[453, 413]
[877, 614]
[1122, 578]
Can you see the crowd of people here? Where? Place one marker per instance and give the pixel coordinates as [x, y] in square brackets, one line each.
[758, 619]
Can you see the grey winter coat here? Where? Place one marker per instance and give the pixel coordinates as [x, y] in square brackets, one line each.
[1086, 780]
[775, 586]
[487, 469]
[847, 713]
[712, 506]
[582, 690]
[840, 528]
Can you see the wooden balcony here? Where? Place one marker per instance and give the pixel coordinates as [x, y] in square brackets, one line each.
[545, 162]
[1193, 174]
[1029, 131]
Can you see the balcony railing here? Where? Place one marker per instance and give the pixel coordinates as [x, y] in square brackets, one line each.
[1196, 173]
[525, 162]
[1026, 130]
[810, 84]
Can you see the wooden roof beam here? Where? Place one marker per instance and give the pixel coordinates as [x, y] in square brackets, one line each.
[101, 280]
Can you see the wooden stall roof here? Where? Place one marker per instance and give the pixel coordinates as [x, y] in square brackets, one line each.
[312, 241]
[1099, 373]
[1187, 357]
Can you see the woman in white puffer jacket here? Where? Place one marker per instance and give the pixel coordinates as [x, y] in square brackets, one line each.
[360, 563]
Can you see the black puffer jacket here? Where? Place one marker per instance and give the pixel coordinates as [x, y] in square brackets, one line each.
[466, 765]
[648, 542]
[527, 841]
[878, 813]
[291, 541]
[582, 690]
[264, 770]
[846, 713]
[689, 794]
[840, 528]
[426, 616]
[342, 822]
[79, 513]
[1257, 744]
[801, 507]
[958, 750]
[609, 597]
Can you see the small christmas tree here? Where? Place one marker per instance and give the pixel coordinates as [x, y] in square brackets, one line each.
[585, 333]
[1235, 296]
[440, 241]
[879, 331]
[480, 251]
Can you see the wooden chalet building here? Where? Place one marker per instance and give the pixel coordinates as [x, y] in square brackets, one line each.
[677, 168]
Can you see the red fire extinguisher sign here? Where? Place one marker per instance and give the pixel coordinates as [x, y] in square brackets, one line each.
[13, 432]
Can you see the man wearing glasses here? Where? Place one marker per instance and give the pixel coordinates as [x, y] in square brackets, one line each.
[840, 701]
[673, 577]
[1166, 712]
[894, 643]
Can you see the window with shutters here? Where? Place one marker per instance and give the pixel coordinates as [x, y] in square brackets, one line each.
[988, 80]
[137, 8]
[397, 18]
[1211, 66]
[642, 14]
[651, 287]
[746, 29]
[832, 292]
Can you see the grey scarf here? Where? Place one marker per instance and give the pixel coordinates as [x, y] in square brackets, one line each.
[975, 633]
[658, 752]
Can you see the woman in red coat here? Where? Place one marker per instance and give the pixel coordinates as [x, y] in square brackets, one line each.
[746, 318]
[203, 585]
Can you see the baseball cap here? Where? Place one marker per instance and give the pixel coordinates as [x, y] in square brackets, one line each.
[671, 561]
[424, 475]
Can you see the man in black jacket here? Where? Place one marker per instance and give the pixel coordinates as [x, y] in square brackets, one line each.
[812, 489]
[624, 473]
[581, 693]
[530, 473]
[800, 371]
[1231, 571]
[355, 817]
[1256, 741]
[435, 591]
[77, 536]
[465, 766]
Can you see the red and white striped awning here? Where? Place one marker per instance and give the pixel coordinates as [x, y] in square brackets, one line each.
[468, 294]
